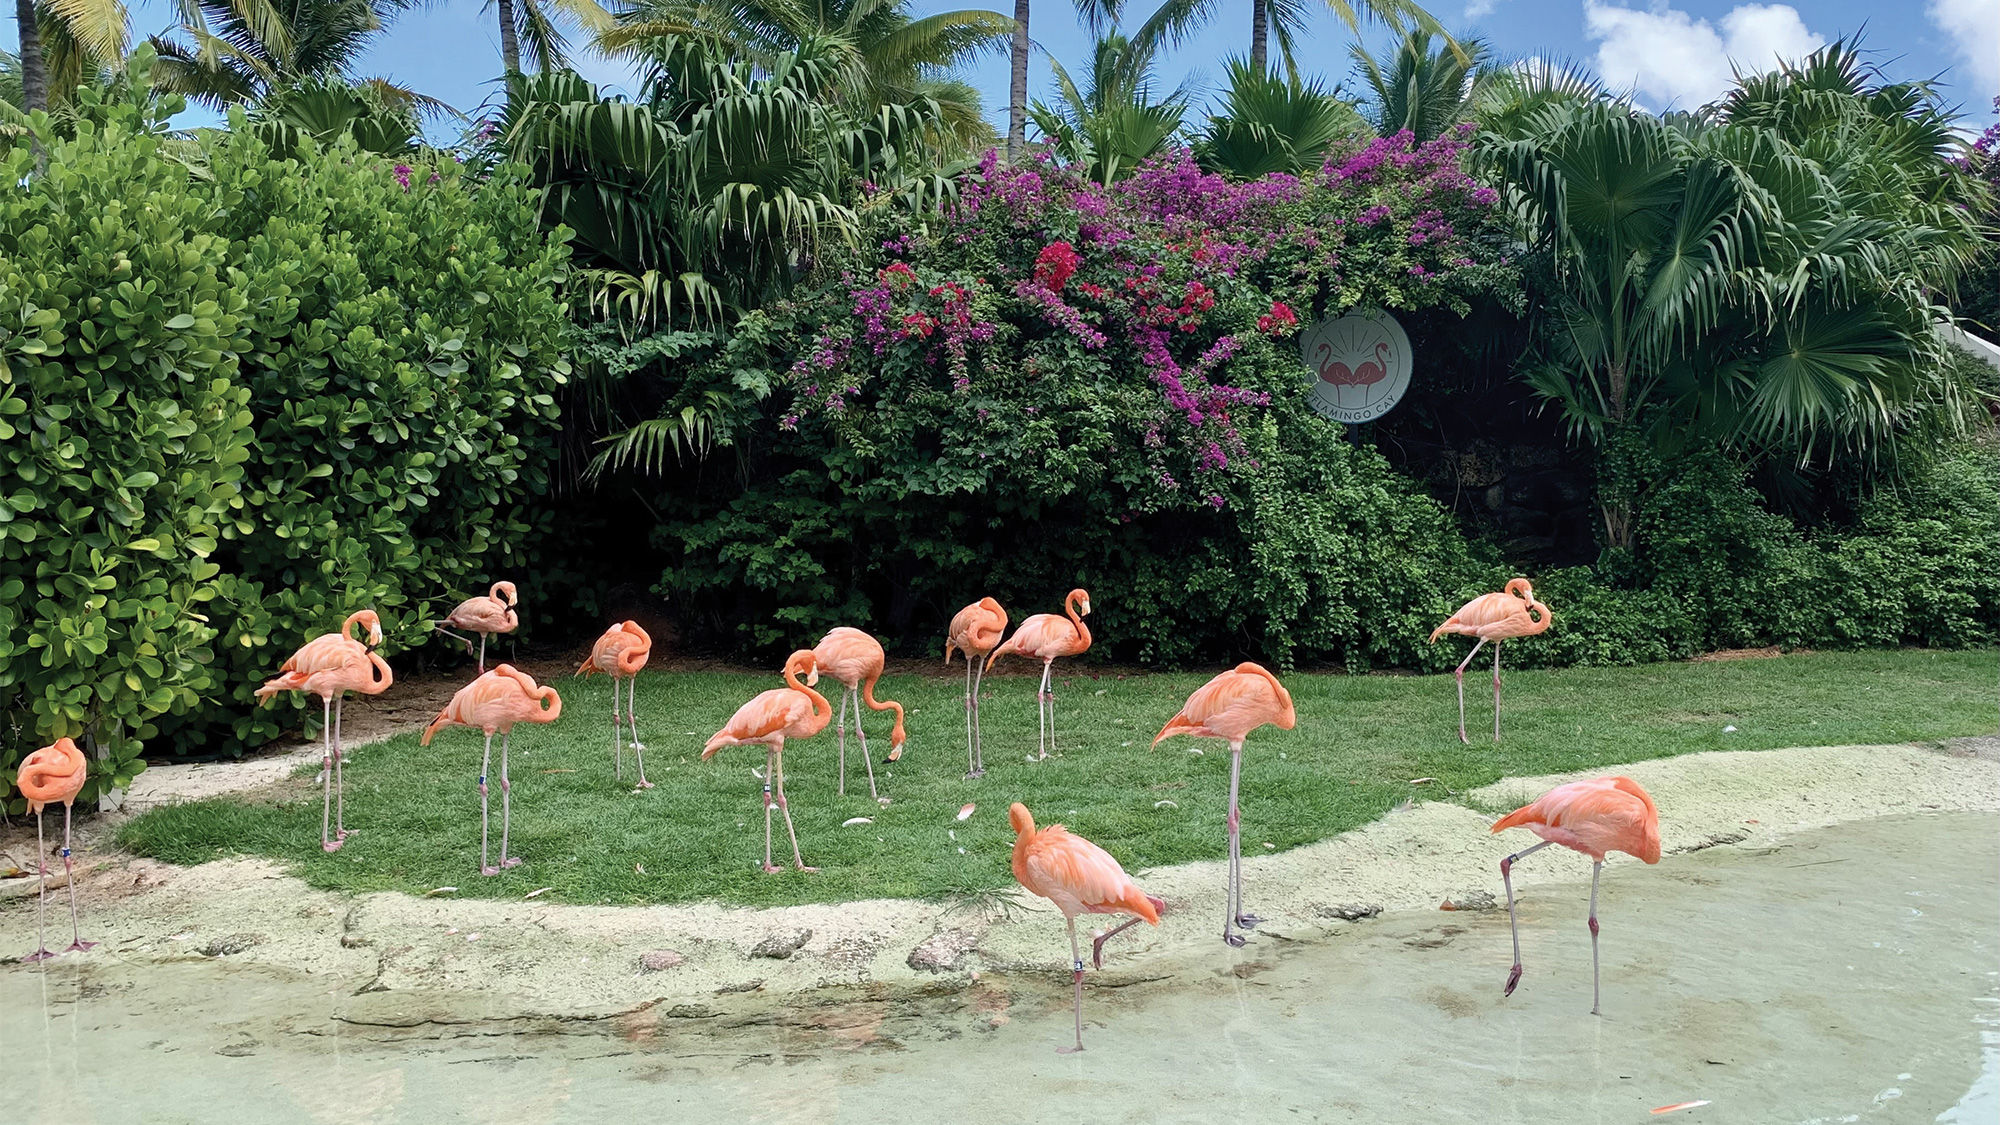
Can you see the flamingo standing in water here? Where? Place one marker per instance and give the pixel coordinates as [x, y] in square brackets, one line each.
[620, 653]
[494, 703]
[1047, 636]
[487, 614]
[1604, 814]
[975, 631]
[330, 666]
[856, 660]
[1493, 617]
[1230, 706]
[1080, 878]
[792, 711]
[53, 773]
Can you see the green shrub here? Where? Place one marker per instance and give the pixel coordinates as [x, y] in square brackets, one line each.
[123, 434]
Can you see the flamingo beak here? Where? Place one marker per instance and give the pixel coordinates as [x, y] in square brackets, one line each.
[1086, 606]
[375, 636]
[812, 677]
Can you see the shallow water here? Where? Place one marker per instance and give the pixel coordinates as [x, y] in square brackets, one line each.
[1849, 975]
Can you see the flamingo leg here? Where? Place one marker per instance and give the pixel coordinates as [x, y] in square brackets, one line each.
[840, 728]
[1496, 691]
[617, 737]
[78, 945]
[506, 803]
[978, 739]
[1097, 943]
[340, 831]
[41, 952]
[770, 768]
[1245, 921]
[327, 842]
[798, 861]
[454, 636]
[1076, 978]
[482, 654]
[1460, 676]
[971, 747]
[1046, 704]
[1513, 926]
[863, 736]
[1596, 869]
[485, 764]
[632, 717]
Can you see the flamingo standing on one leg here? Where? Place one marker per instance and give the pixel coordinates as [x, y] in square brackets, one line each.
[1230, 706]
[620, 653]
[792, 711]
[487, 614]
[856, 660]
[494, 703]
[1080, 878]
[330, 666]
[1604, 814]
[1493, 617]
[1047, 636]
[53, 773]
[975, 631]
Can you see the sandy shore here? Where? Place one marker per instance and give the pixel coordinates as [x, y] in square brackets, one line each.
[413, 962]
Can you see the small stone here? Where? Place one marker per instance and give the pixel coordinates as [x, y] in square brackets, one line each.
[1349, 911]
[779, 946]
[942, 951]
[1470, 900]
[352, 941]
[233, 943]
[660, 960]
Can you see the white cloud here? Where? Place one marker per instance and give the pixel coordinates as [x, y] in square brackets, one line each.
[1670, 57]
[1477, 8]
[1974, 28]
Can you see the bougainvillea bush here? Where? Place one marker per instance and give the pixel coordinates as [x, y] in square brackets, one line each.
[1056, 383]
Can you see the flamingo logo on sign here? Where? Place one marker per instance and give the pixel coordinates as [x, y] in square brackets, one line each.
[1359, 364]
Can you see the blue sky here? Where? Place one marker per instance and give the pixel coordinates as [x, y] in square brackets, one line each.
[1671, 53]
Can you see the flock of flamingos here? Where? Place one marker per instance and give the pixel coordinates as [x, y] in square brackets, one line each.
[1593, 817]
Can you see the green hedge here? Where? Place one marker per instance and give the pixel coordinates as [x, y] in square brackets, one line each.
[239, 397]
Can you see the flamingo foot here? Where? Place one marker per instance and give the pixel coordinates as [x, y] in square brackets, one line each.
[1234, 939]
[975, 775]
[37, 955]
[79, 947]
[1078, 1049]
[771, 869]
[511, 861]
[803, 867]
[489, 871]
[344, 833]
[330, 845]
[1462, 738]
[1513, 979]
[644, 785]
[1248, 921]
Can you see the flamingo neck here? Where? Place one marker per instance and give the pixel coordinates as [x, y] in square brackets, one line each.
[1076, 619]
[822, 710]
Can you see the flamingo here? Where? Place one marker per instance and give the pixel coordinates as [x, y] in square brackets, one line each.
[856, 659]
[975, 631]
[1048, 636]
[1604, 814]
[1493, 617]
[487, 614]
[1080, 878]
[494, 703]
[54, 773]
[620, 653]
[1230, 706]
[792, 711]
[330, 666]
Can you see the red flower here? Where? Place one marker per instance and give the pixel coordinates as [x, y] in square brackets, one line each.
[1280, 317]
[897, 274]
[1055, 264]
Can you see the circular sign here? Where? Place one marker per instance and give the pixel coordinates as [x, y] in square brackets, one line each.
[1360, 365]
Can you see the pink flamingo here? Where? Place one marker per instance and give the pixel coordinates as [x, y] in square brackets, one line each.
[975, 631]
[1229, 707]
[487, 614]
[1080, 878]
[856, 660]
[330, 666]
[1048, 636]
[620, 653]
[494, 703]
[53, 773]
[1604, 814]
[792, 711]
[1493, 617]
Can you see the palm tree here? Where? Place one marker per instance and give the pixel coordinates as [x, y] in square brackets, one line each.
[1285, 20]
[77, 30]
[1273, 124]
[1421, 91]
[539, 24]
[236, 52]
[1111, 124]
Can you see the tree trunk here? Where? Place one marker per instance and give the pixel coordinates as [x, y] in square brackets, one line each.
[34, 73]
[1017, 86]
[1620, 386]
[1260, 31]
[510, 40]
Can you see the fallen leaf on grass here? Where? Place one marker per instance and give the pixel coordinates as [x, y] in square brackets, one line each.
[1166, 804]
[537, 893]
[854, 820]
[1422, 780]
[966, 810]
[638, 869]
[436, 891]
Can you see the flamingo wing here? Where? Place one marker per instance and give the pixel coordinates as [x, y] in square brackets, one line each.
[1082, 872]
[769, 713]
[849, 655]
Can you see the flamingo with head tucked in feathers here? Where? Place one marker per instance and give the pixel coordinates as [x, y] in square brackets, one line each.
[1495, 618]
[620, 653]
[975, 631]
[53, 773]
[487, 614]
[1047, 636]
[493, 703]
[330, 666]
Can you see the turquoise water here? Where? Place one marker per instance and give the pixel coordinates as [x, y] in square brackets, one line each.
[1850, 975]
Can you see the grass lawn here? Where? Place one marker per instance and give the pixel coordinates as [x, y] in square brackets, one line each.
[1359, 742]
